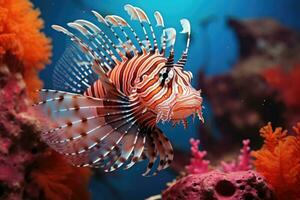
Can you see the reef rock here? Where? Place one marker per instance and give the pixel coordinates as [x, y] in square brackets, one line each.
[216, 185]
[264, 43]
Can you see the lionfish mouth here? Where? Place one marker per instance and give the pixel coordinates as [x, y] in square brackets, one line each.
[181, 115]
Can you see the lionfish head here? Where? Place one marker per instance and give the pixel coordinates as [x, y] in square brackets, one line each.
[170, 94]
[183, 99]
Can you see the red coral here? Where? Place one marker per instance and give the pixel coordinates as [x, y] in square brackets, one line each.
[286, 82]
[20, 36]
[279, 161]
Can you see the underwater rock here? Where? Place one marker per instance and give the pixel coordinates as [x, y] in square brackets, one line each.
[264, 43]
[216, 185]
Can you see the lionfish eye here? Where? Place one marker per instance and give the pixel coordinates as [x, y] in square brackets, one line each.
[165, 75]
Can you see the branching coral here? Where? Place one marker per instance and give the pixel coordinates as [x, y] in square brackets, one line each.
[20, 36]
[279, 161]
[244, 160]
[198, 165]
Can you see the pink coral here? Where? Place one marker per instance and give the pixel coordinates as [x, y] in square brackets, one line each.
[198, 165]
[220, 186]
[244, 160]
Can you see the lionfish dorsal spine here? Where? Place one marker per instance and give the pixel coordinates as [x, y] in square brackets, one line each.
[160, 23]
[103, 21]
[97, 32]
[138, 14]
[186, 28]
[143, 15]
[108, 61]
[98, 61]
[117, 21]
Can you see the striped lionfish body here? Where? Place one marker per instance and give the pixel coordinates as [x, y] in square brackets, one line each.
[119, 88]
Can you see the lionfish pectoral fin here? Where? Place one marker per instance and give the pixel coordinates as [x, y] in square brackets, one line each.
[157, 145]
[89, 130]
[101, 132]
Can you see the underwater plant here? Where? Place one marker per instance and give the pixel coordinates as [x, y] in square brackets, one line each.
[279, 162]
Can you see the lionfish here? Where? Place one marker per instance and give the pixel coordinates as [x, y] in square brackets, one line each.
[113, 90]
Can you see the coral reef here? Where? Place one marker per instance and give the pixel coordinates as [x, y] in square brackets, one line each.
[279, 162]
[59, 180]
[219, 186]
[28, 168]
[20, 36]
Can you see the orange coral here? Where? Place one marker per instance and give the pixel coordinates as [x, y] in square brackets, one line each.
[20, 35]
[279, 161]
[60, 180]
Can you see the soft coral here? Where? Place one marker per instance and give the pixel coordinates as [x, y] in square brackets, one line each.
[279, 162]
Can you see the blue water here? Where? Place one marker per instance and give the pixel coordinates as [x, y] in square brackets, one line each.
[214, 46]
